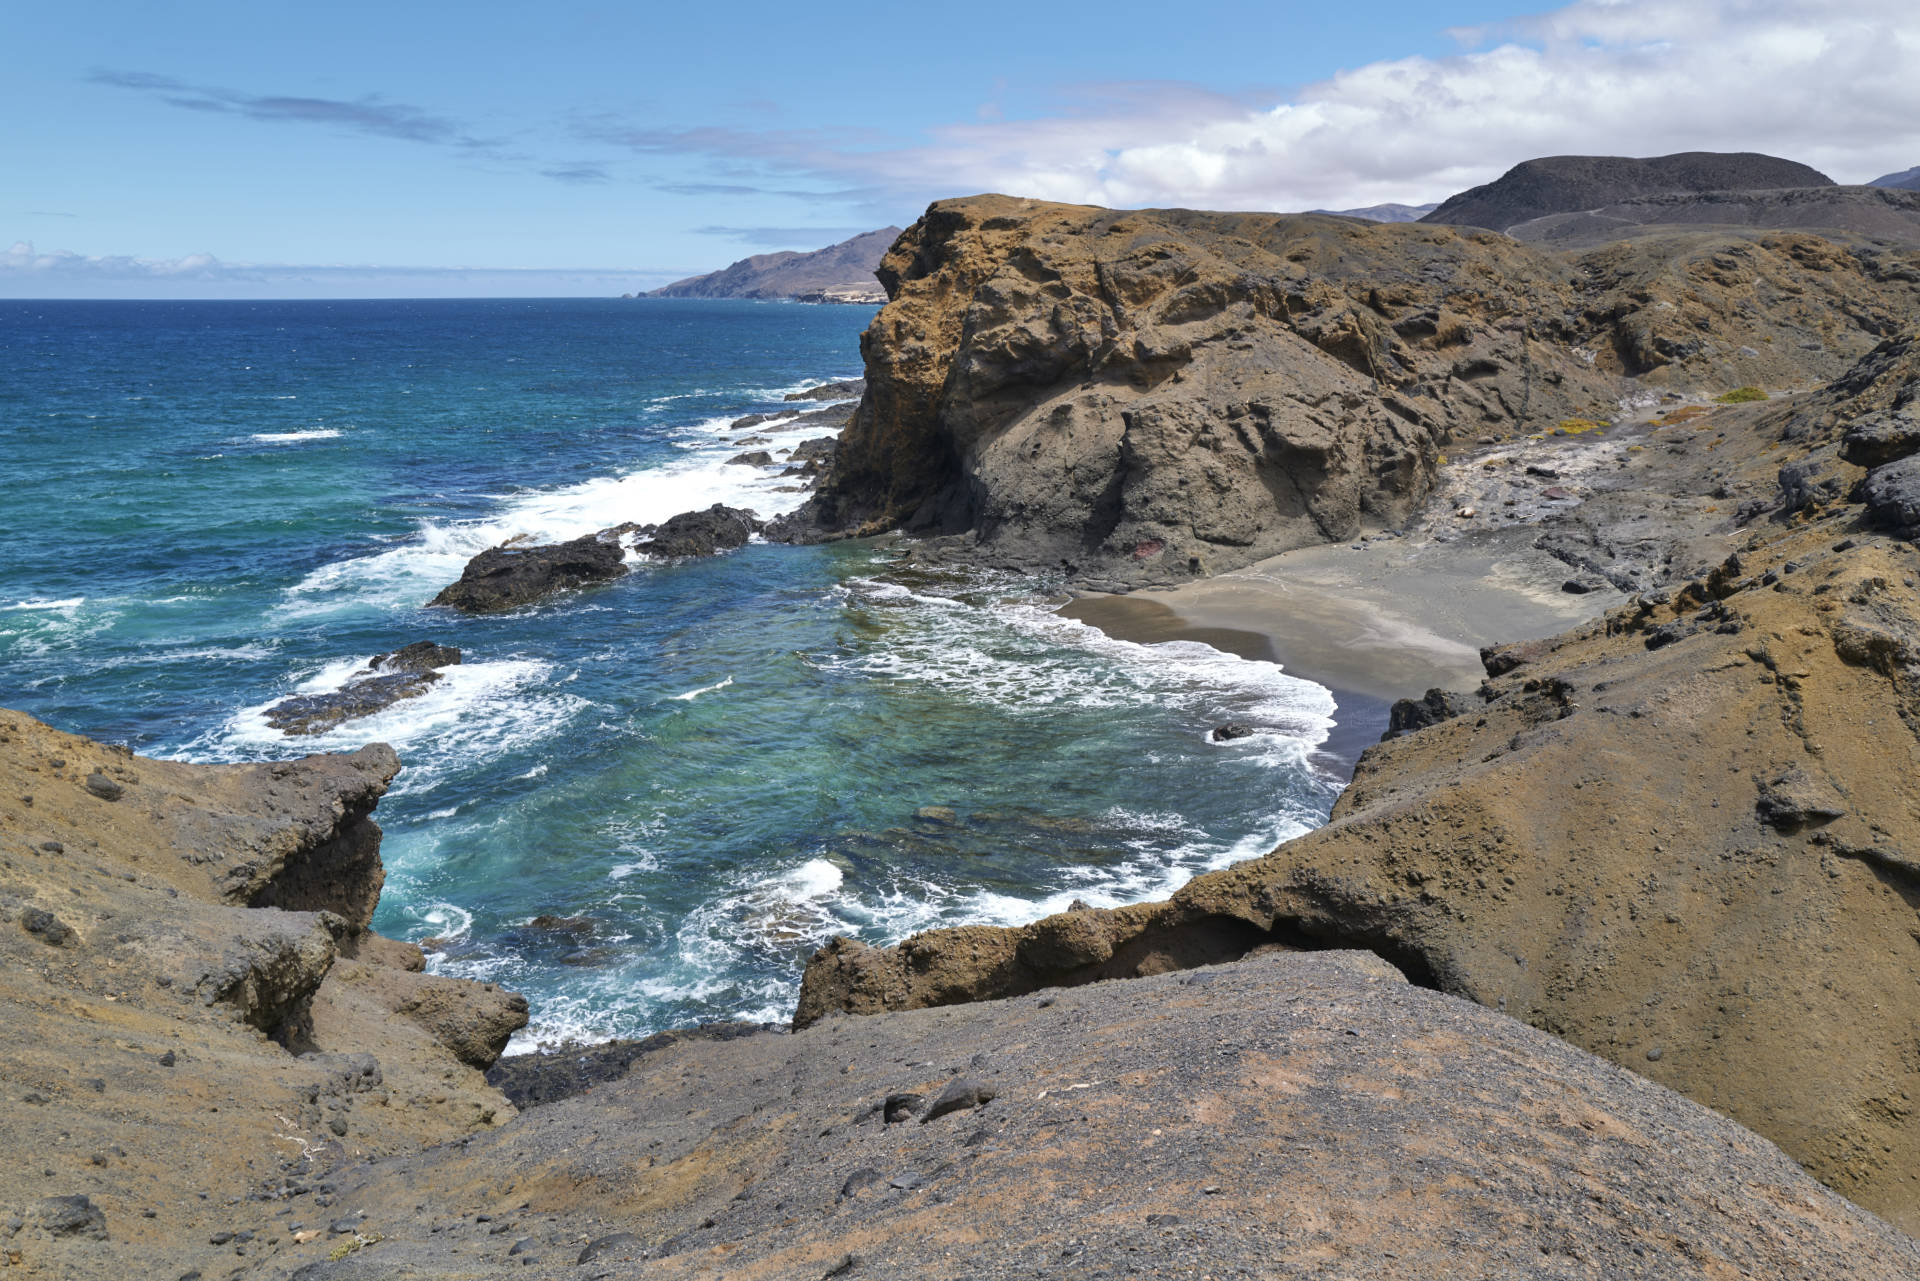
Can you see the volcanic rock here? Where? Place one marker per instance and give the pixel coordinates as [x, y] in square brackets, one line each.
[703, 533]
[387, 679]
[839, 272]
[1389, 1116]
[507, 577]
[1129, 398]
[1563, 184]
[850, 389]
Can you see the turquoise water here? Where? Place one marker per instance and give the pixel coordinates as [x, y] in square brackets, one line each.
[709, 767]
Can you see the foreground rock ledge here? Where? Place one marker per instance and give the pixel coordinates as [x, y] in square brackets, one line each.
[1285, 1117]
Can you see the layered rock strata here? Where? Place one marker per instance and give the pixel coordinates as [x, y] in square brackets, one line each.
[195, 1021]
[1141, 397]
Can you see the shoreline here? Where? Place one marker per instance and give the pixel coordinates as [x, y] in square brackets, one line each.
[1373, 622]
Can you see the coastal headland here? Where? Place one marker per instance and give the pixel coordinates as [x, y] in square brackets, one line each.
[1604, 965]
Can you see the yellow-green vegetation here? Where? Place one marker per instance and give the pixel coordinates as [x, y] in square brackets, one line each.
[1575, 426]
[358, 1242]
[1742, 396]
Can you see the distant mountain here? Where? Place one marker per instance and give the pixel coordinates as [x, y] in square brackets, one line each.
[1384, 213]
[838, 273]
[1906, 180]
[1889, 213]
[1569, 184]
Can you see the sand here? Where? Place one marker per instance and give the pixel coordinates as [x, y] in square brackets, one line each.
[1384, 619]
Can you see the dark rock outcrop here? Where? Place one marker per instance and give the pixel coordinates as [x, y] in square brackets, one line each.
[1565, 184]
[509, 577]
[387, 679]
[703, 533]
[1892, 495]
[1410, 714]
[849, 389]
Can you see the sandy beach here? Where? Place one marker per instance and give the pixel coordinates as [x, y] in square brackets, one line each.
[1385, 619]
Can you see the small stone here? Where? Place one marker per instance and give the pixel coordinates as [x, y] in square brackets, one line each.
[105, 788]
[859, 1181]
[45, 926]
[617, 1246]
[1653, 1055]
[168, 1059]
[960, 1095]
[51, 847]
[220, 1238]
[899, 1107]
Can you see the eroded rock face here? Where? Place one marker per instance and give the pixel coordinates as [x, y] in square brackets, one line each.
[1140, 397]
[1681, 837]
[508, 577]
[1287, 1116]
[190, 1000]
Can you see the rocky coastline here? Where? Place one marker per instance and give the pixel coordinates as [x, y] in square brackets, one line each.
[1604, 965]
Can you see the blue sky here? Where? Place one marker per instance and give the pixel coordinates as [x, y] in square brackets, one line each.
[261, 149]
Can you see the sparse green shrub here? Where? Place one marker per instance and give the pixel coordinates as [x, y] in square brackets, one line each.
[1742, 396]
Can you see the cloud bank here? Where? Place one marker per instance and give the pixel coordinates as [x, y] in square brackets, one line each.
[1831, 83]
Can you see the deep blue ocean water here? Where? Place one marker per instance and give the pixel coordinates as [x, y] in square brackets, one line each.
[712, 767]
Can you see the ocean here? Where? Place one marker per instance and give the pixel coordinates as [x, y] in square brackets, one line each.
[642, 805]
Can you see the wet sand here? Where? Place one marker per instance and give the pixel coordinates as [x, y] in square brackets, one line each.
[1388, 619]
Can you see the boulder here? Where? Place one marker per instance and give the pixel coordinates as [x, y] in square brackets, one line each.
[755, 458]
[508, 577]
[1410, 714]
[387, 679]
[1892, 493]
[850, 389]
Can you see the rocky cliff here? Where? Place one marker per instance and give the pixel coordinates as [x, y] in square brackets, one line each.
[1565, 184]
[195, 1021]
[1129, 398]
[1681, 837]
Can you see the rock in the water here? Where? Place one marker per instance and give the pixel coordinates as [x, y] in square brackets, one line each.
[755, 458]
[421, 656]
[508, 577]
[703, 533]
[848, 390]
[1230, 731]
[387, 679]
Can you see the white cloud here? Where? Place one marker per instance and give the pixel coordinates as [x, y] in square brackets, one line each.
[1828, 82]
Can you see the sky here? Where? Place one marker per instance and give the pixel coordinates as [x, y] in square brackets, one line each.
[264, 149]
